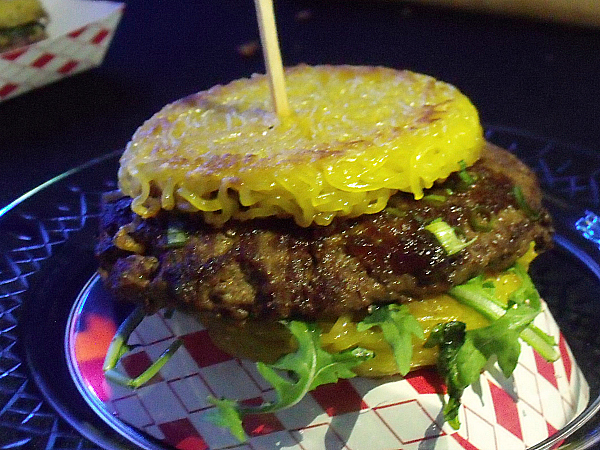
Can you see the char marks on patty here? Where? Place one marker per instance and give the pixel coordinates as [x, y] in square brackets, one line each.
[274, 269]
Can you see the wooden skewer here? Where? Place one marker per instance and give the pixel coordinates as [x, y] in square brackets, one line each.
[270, 45]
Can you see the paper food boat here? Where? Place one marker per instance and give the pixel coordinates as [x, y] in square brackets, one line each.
[79, 33]
[394, 413]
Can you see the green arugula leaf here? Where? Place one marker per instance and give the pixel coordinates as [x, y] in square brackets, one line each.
[450, 338]
[479, 295]
[310, 366]
[501, 338]
[227, 415]
[398, 327]
[464, 354]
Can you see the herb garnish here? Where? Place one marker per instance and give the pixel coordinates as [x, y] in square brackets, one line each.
[446, 236]
[310, 365]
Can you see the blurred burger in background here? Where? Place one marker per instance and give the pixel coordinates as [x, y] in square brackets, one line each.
[22, 22]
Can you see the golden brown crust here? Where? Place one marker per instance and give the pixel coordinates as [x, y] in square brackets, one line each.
[356, 135]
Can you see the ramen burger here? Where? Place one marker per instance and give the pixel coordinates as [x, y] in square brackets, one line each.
[370, 232]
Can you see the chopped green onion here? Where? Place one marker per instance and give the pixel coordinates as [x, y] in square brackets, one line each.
[480, 219]
[176, 237]
[433, 198]
[118, 348]
[522, 202]
[464, 175]
[446, 235]
[395, 211]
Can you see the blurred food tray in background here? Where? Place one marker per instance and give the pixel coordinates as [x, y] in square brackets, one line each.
[79, 33]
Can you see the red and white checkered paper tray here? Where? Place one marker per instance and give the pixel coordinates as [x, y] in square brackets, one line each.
[359, 413]
[79, 33]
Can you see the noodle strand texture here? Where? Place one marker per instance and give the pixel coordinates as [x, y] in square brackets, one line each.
[355, 137]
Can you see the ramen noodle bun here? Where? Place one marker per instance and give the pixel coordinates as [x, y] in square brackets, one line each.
[356, 136]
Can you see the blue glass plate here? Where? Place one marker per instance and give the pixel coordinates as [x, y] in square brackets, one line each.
[47, 238]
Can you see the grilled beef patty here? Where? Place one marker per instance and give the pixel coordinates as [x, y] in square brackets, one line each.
[275, 269]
